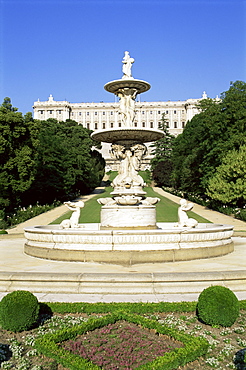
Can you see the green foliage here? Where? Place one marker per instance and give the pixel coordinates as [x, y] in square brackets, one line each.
[193, 347]
[22, 214]
[16, 156]
[207, 138]
[162, 148]
[18, 311]
[218, 305]
[44, 161]
[161, 164]
[162, 173]
[228, 184]
[137, 308]
[65, 164]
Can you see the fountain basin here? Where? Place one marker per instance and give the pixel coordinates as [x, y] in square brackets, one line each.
[127, 135]
[129, 83]
[167, 243]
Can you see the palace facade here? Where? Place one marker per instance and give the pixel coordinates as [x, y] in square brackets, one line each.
[100, 116]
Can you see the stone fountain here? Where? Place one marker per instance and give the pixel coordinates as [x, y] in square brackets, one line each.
[128, 207]
[128, 232]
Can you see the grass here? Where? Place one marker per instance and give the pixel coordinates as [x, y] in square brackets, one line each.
[166, 210]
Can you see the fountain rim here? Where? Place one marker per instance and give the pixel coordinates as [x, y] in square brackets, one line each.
[137, 135]
[131, 83]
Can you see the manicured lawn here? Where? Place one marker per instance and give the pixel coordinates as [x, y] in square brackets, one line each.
[166, 210]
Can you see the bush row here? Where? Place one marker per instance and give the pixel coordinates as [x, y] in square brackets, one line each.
[239, 213]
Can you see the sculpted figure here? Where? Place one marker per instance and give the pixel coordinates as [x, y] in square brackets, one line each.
[73, 222]
[127, 105]
[127, 65]
[184, 220]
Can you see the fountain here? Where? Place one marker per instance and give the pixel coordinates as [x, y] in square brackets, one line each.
[128, 232]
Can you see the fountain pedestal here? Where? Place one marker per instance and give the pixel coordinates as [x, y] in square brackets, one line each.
[128, 217]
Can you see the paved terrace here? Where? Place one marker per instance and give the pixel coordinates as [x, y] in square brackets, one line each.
[94, 282]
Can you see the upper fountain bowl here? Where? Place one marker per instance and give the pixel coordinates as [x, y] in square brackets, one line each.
[130, 83]
[127, 135]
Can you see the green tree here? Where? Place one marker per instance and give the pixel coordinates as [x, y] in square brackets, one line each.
[16, 156]
[228, 184]
[161, 164]
[217, 129]
[65, 163]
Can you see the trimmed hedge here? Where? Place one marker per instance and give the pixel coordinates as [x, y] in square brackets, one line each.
[218, 305]
[18, 311]
[137, 308]
[194, 347]
[140, 308]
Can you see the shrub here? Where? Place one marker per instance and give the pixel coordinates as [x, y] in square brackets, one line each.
[19, 311]
[218, 305]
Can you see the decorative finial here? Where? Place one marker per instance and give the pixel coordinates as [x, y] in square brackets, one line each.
[204, 95]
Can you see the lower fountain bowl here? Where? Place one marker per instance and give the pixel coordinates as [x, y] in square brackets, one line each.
[167, 243]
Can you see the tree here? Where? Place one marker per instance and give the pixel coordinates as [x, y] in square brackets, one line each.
[206, 139]
[16, 156]
[65, 163]
[161, 164]
[228, 184]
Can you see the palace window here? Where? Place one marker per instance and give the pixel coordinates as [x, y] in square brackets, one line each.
[174, 111]
[59, 111]
[143, 112]
[80, 113]
[135, 124]
[95, 113]
[143, 124]
[159, 112]
[166, 111]
[119, 124]
[175, 124]
[111, 113]
[104, 125]
[41, 112]
[103, 113]
[88, 113]
[151, 125]
[88, 126]
[151, 112]
[183, 124]
[51, 111]
[111, 124]
[95, 125]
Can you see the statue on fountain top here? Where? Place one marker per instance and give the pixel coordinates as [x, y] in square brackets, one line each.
[127, 66]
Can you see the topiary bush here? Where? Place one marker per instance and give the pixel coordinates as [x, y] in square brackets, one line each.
[218, 305]
[19, 311]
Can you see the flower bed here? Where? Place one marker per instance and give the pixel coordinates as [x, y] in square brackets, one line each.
[192, 347]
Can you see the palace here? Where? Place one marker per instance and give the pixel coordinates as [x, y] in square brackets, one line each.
[100, 116]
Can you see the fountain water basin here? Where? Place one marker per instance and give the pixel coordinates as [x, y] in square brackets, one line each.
[167, 243]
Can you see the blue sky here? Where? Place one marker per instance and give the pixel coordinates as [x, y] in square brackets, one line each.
[71, 48]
